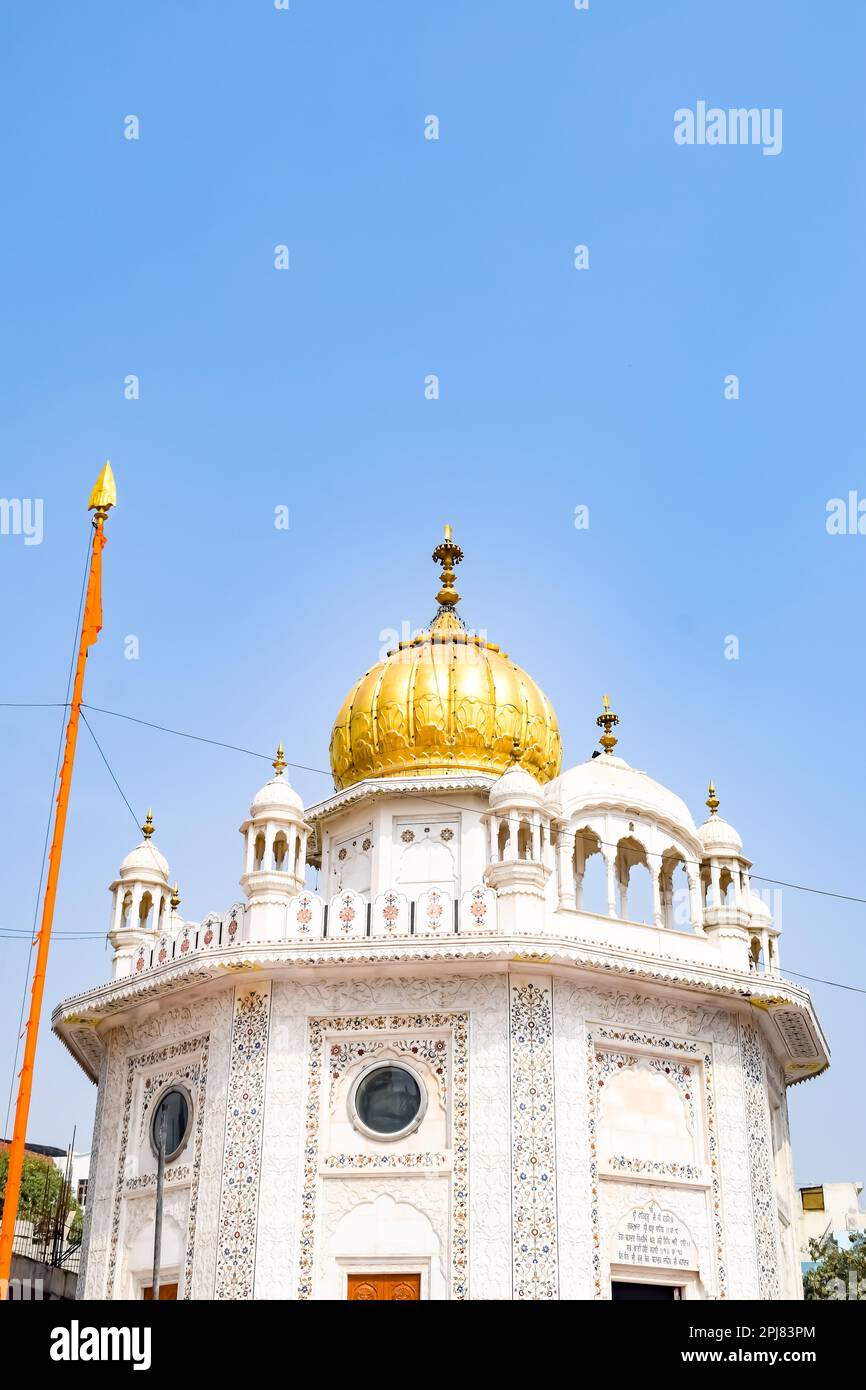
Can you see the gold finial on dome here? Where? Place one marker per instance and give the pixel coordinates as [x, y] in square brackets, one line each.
[447, 554]
[148, 828]
[104, 494]
[175, 898]
[712, 800]
[279, 763]
[607, 720]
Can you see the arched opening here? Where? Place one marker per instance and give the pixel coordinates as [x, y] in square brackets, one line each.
[635, 889]
[590, 872]
[726, 888]
[299, 857]
[502, 839]
[674, 889]
[126, 909]
[281, 850]
[524, 841]
[145, 907]
[259, 850]
[756, 954]
[644, 1115]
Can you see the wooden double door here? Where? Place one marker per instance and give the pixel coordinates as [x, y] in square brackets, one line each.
[385, 1288]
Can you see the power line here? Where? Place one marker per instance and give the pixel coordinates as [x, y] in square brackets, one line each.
[322, 772]
[64, 706]
[110, 772]
[10, 932]
[855, 989]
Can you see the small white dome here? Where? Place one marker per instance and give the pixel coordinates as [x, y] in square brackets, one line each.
[516, 787]
[608, 782]
[146, 859]
[277, 795]
[717, 835]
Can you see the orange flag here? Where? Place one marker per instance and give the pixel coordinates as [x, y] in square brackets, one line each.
[92, 624]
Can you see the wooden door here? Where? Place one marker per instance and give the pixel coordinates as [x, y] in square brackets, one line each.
[384, 1288]
[166, 1291]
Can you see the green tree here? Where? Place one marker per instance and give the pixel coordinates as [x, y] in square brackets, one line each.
[838, 1273]
[42, 1193]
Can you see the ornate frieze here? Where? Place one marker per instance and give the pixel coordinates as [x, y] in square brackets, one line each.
[185, 1061]
[760, 1162]
[686, 1064]
[533, 1142]
[236, 1241]
[328, 1052]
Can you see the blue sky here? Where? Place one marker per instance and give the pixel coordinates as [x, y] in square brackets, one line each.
[558, 388]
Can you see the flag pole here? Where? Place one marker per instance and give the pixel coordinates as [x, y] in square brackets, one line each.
[103, 497]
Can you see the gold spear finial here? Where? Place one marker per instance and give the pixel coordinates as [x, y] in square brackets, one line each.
[712, 800]
[279, 762]
[607, 721]
[447, 554]
[175, 898]
[104, 494]
[148, 827]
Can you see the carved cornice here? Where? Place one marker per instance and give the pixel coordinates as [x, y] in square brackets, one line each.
[76, 1021]
[399, 787]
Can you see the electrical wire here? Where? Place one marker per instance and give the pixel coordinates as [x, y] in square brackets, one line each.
[235, 748]
[33, 936]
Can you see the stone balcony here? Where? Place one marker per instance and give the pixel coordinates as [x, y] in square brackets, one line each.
[475, 932]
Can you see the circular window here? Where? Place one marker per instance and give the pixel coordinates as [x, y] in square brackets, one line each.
[387, 1101]
[171, 1122]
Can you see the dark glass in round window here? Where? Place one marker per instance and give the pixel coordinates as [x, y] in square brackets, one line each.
[173, 1112]
[388, 1099]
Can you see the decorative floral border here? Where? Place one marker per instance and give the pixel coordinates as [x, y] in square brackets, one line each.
[377, 1162]
[609, 1062]
[666, 1046]
[433, 1050]
[177, 1174]
[194, 1073]
[535, 1256]
[320, 1033]
[242, 1150]
[761, 1169]
[620, 1163]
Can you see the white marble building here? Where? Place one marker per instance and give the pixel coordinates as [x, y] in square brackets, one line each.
[463, 1067]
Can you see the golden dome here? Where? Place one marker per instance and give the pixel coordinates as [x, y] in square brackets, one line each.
[445, 702]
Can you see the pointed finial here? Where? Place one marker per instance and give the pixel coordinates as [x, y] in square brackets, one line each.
[607, 721]
[447, 554]
[279, 762]
[104, 494]
[148, 827]
[175, 898]
[712, 800]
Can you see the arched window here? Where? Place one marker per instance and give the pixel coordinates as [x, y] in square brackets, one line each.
[635, 889]
[259, 850]
[503, 838]
[281, 849]
[144, 910]
[590, 872]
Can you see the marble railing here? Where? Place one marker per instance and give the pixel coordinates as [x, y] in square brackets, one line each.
[347, 917]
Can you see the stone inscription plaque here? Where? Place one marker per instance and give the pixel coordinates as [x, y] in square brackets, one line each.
[650, 1236]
